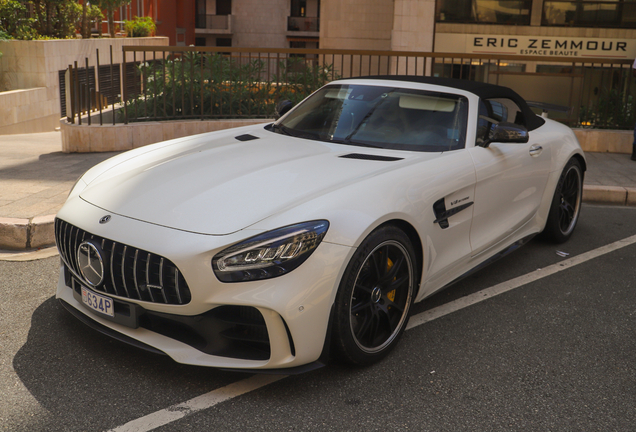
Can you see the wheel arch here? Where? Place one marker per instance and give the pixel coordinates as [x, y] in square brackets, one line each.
[416, 242]
[581, 160]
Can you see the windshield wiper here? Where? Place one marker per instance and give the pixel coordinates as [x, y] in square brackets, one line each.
[366, 117]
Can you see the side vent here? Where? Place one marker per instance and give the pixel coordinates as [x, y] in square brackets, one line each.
[371, 157]
[246, 137]
[442, 215]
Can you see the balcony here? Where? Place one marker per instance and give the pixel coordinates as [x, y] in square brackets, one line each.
[213, 24]
[303, 26]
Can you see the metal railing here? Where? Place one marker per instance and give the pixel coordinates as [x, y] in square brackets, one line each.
[173, 83]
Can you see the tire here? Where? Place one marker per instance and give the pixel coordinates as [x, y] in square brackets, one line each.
[373, 300]
[566, 203]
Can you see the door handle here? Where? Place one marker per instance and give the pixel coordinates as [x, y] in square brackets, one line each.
[535, 150]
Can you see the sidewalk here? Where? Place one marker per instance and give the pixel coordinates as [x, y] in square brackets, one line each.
[36, 177]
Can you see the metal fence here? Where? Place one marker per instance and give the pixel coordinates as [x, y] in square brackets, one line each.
[171, 83]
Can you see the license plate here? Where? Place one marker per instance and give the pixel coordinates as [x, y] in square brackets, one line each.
[99, 303]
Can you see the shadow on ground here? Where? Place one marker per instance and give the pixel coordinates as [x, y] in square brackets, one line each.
[77, 373]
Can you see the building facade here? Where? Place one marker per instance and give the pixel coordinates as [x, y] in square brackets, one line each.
[337, 24]
[571, 28]
[574, 28]
[174, 18]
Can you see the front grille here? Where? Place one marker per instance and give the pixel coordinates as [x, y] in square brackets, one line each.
[128, 272]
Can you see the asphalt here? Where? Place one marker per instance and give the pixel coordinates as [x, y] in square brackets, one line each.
[36, 177]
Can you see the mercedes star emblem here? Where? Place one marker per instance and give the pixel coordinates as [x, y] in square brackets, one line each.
[91, 264]
[104, 219]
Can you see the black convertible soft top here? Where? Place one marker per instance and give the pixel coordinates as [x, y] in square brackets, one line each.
[483, 90]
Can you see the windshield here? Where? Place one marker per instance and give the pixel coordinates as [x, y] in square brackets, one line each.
[383, 117]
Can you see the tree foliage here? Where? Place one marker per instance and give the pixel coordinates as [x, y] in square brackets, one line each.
[14, 22]
[56, 18]
[110, 6]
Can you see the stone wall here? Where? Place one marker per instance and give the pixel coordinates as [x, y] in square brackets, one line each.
[264, 29]
[33, 66]
[356, 24]
[18, 109]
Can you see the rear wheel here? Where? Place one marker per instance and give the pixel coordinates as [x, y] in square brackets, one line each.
[374, 297]
[566, 203]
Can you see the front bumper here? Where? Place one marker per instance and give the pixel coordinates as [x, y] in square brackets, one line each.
[270, 324]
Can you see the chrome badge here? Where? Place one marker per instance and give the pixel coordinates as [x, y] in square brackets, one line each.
[105, 219]
[91, 264]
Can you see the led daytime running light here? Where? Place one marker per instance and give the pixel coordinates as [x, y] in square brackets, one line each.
[263, 254]
[270, 254]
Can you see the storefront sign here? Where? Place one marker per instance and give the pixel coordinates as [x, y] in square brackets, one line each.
[556, 46]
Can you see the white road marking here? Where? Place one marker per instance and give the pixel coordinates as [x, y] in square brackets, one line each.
[208, 400]
[517, 282]
[175, 412]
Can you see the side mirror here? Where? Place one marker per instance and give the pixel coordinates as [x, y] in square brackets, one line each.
[283, 107]
[506, 132]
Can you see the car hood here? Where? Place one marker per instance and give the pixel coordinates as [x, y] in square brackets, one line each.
[217, 184]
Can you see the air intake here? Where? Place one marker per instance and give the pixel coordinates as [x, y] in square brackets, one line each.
[371, 157]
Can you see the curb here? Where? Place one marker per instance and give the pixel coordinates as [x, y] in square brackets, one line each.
[39, 232]
[22, 234]
[616, 195]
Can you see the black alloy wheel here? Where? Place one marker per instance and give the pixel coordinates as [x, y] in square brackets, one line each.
[374, 297]
[566, 203]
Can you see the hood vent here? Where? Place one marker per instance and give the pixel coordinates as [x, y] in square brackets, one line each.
[371, 157]
[246, 137]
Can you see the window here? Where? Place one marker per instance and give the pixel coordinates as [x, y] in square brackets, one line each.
[224, 7]
[516, 12]
[476, 71]
[298, 8]
[584, 13]
[383, 117]
[224, 42]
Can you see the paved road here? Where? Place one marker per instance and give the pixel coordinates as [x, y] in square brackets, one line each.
[554, 354]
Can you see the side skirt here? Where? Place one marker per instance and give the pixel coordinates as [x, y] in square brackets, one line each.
[513, 247]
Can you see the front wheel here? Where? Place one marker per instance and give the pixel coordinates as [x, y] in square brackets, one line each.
[374, 297]
[566, 203]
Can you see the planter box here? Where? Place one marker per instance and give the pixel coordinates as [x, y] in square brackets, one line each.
[605, 141]
[76, 138]
[119, 137]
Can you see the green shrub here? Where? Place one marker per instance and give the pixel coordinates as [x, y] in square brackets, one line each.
[195, 85]
[612, 110]
[140, 27]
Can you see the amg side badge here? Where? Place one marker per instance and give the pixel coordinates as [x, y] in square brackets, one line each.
[442, 215]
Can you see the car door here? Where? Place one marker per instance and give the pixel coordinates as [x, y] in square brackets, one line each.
[510, 178]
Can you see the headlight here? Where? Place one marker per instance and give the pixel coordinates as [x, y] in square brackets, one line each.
[270, 254]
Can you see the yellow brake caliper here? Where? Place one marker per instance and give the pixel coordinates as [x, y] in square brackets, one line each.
[389, 264]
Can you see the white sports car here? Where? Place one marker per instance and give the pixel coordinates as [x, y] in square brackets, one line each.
[278, 245]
